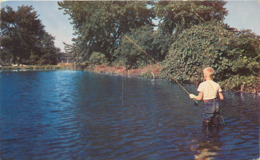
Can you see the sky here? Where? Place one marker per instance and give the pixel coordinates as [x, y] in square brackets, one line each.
[243, 14]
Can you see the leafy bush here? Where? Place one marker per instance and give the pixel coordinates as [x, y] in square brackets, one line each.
[97, 58]
[234, 55]
[147, 74]
[48, 59]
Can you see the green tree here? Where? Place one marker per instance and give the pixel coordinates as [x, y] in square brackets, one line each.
[175, 16]
[129, 55]
[161, 43]
[17, 30]
[48, 52]
[155, 43]
[22, 35]
[99, 25]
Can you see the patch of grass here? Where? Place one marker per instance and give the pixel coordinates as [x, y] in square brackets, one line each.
[39, 67]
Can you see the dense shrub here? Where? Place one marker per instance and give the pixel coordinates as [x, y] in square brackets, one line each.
[97, 58]
[234, 55]
[48, 59]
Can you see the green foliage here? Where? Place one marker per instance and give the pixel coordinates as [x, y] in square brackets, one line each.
[47, 59]
[232, 54]
[191, 35]
[48, 52]
[75, 53]
[179, 15]
[99, 24]
[97, 58]
[147, 74]
[23, 38]
[161, 44]
[129, 54]
[237, 81]
[17, 30]
[155, 44]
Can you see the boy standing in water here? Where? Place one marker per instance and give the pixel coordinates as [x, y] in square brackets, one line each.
[208, 92]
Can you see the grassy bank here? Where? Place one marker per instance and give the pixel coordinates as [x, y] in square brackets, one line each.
[60, 66]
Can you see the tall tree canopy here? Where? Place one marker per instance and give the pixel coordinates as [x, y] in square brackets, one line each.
[99, 25]
[153, 42]
[23, 38]
[175, 16]
[48, 51]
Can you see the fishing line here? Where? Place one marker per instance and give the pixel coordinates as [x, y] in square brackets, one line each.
[163, 68]
[122, 79]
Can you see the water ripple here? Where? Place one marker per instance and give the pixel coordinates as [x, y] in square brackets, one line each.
[80, 115]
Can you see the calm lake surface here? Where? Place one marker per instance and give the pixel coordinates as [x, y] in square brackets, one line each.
[84, 115]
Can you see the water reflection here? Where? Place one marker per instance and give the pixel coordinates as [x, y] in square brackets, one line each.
[205, 150]
[208, 145]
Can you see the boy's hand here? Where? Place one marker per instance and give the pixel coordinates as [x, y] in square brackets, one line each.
[192, 96]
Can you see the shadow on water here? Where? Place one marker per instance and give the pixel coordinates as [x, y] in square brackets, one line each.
[80, 115]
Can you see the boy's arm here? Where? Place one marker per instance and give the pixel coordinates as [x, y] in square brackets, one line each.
[220, 95]
[199, 97]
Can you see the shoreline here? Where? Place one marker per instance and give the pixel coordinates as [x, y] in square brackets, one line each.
[61, 66]
[149, 72]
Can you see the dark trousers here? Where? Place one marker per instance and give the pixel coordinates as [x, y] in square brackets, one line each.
[210, 113]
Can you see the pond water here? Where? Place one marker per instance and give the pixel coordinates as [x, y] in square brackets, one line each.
[84, 115]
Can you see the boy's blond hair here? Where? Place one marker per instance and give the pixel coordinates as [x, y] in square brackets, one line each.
[208, 72]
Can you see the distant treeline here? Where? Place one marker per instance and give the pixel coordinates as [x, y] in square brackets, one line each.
[190, 35]
[23, 38]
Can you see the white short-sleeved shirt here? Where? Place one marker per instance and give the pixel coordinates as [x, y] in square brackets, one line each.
[209, 89]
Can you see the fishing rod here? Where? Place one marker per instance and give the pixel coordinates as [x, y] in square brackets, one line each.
[163, 68]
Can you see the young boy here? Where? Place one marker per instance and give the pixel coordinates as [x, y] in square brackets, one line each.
[209, 91]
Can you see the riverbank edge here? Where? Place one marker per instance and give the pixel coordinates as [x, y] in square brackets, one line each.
[149, 72]
[60, 66]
